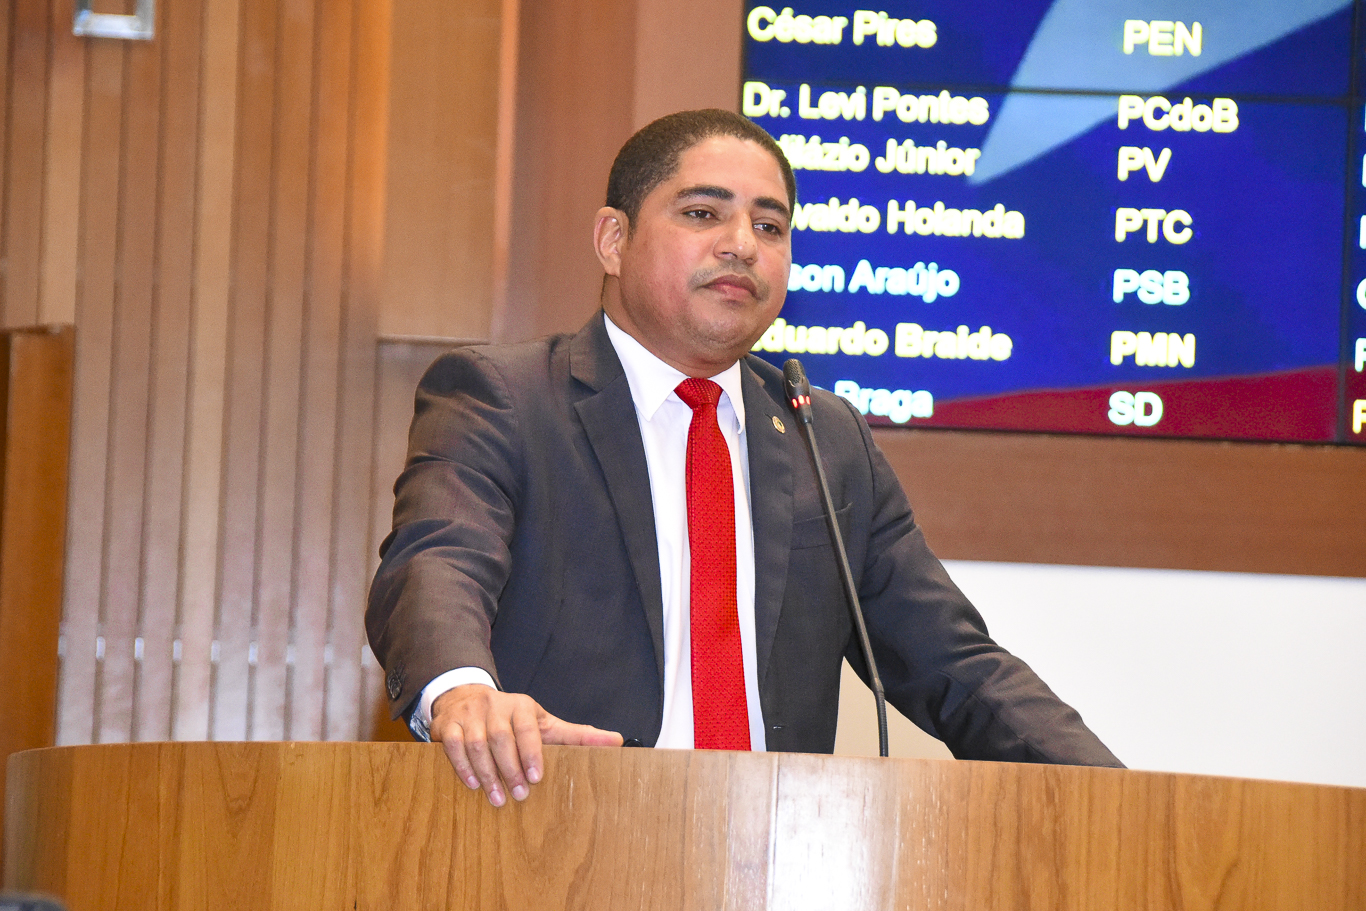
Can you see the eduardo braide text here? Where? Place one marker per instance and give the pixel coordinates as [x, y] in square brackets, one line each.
[912, 340]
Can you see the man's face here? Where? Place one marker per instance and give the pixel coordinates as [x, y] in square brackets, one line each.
[705, 271]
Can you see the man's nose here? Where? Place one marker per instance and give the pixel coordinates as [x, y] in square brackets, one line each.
[739, 241]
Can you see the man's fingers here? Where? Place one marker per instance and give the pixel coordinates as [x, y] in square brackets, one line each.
[482, 758]
[507, 742]
[493, 739]
[463, 720]
[467, 746]
[527, 730]
[554, 730]
[453, 742]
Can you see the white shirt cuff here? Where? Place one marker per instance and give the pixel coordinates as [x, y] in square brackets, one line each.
[421, 721]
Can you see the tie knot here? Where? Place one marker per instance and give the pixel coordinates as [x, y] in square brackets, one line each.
[697, 392]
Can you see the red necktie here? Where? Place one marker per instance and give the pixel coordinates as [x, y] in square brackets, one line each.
[720, 715]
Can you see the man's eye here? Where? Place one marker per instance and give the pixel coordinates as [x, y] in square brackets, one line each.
[697, 213]
[769, 228]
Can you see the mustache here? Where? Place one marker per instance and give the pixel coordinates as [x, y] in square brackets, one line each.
[740, 271]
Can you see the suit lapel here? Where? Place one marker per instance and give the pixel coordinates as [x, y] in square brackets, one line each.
[770, 474]
[609, 420]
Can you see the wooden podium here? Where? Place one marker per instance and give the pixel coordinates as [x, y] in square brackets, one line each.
[386, 827]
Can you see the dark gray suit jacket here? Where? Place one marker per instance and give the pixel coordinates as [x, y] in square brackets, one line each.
[524, 544]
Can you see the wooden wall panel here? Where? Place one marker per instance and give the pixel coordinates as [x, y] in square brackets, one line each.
[444, 134]
[224, 216]
[669, 76]
[7, 55]
[25, 113]
[576, 69]
[617, 65]
[62, 186]
[35, 424]
[1099, 501]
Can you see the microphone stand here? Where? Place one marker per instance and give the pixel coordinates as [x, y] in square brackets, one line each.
[799, 397]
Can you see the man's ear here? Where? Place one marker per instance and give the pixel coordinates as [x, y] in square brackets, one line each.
[609, 238]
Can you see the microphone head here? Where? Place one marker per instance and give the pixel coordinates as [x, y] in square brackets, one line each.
[798, 388]
[795, 378]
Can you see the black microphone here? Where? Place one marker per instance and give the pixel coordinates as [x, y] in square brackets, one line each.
[799, 398]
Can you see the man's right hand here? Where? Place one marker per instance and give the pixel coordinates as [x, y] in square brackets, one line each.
[493, 739]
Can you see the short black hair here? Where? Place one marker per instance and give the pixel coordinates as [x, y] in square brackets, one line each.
[650, 157]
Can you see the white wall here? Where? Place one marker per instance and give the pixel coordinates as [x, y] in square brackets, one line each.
[1236, 674]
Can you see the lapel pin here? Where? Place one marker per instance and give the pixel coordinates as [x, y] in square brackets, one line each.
[778, 424]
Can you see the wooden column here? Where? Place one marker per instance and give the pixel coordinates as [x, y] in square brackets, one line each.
[35, 400]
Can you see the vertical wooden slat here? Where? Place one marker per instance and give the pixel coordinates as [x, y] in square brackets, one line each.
[668, 76]
[351, 562]
[179, 32]
[443, 130]
[577, 65]
[22, 194]
[61, 192]
[90, 407]
[501, 229]
[204, 457]
[246, 343]
[130, 387]
[284, 347]
[6, 62]
[320, 397]
[35, 417]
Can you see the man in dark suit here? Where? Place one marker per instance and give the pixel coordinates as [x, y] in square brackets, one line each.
[536, 586]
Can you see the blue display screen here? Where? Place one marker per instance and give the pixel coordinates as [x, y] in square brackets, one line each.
[1078, 216]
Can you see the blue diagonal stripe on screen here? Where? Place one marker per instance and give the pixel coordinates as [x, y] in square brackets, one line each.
[1028, 126]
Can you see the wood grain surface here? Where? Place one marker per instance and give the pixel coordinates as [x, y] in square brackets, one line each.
[35, 414]
[386, 826]
[1110, 501]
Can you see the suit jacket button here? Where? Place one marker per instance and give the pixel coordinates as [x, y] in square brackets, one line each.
[394, 683]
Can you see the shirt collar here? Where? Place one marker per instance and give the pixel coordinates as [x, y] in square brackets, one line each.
[652, 381]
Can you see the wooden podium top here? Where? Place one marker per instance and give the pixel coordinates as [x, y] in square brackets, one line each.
[387, 827]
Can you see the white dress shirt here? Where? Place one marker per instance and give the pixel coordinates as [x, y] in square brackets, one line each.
[664, 419]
